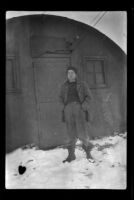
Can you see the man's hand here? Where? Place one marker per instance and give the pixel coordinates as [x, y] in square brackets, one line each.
[84, 106]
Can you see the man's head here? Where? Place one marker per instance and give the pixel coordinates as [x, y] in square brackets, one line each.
[71, 74]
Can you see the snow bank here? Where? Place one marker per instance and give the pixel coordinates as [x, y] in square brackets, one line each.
[45, 170]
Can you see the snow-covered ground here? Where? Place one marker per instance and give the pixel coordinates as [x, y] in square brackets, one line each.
[45, 170]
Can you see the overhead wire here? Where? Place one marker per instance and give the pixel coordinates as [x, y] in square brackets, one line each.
[96, 17]
[99, 19]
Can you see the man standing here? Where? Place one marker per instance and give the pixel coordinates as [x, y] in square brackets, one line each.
[75, 97]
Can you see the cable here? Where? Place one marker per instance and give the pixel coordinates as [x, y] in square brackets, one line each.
[100, 18]
[94, 19]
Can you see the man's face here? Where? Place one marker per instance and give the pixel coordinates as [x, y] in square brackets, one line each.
[71, 75]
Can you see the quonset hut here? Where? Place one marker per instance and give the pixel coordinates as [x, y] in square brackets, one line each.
[38, 50]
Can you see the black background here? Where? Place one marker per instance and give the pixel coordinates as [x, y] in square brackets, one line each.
[71, 194]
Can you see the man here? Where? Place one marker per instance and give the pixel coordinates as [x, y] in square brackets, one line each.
[75, 98]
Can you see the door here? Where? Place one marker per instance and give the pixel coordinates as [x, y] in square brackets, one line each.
[49, 75]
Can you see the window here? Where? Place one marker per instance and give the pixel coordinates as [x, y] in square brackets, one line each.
[12, 83]
[94, 72]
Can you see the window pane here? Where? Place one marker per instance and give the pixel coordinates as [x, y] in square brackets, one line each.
[90, 79]
[90, 66]
[99, 78]
[98, 66]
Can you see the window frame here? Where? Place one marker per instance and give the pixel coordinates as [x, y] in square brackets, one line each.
[104, 71]
[15, 75]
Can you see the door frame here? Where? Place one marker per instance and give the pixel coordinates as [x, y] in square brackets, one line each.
[49, 55]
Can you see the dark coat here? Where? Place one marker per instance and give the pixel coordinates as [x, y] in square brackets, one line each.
[84, 94]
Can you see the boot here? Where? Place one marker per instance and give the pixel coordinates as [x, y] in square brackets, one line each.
[87, 149]
[71, 155]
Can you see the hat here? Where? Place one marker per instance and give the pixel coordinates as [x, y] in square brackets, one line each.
[71, 68]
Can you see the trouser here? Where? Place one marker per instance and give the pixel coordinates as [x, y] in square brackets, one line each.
[76, 125]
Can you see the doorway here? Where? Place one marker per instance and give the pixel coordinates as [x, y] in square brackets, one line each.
[49, 74]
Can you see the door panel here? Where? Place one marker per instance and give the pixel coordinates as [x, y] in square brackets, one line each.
[50, 74]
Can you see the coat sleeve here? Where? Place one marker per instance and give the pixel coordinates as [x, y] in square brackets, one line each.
[87, 93]
[61, 95]
[88, 97]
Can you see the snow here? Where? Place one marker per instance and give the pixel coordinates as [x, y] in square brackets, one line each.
[45, 170]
